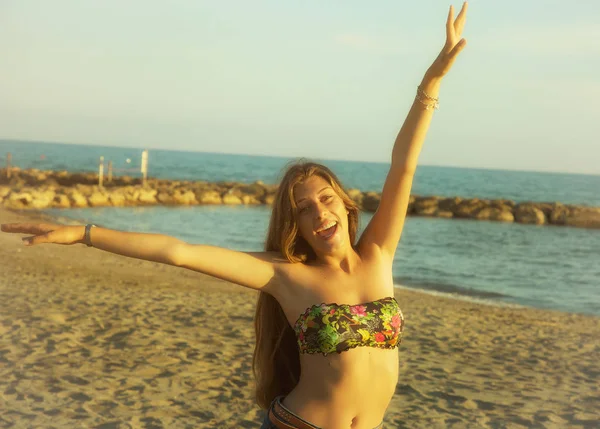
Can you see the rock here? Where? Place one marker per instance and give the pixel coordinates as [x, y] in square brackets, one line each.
[117, 199]
[411, 205]
[424, 211]
[98, 199]
[231, 199]
[529, 214]
[431, 201]
[583, 217]
[490, 213]
[164, 197]
[427, 206]
[131, 195]
[18, 200]
[370, 201]
[77, 199]
[42, 199]
[469, 208]
[184, 197]
[269, 199]
[356, 195]
[4, 191]
[209, 197]
[449, 204]
[558, 215]
[61, 201]
[86, 190]
[255, 190]
[147, 196]
[250, 200]
[546, 208]
[502, 207]
[507, 205]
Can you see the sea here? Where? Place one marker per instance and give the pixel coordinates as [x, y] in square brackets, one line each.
[505, 264]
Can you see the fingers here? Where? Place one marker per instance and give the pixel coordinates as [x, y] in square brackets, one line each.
[450, 25]
[30, 241]
[38, 239]
[27, 228]
[459, 23]
[42, 232]
[454, 27]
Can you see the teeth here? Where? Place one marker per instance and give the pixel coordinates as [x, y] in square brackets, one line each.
[327, 225]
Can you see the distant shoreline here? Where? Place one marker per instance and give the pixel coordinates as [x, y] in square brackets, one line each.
[36, 189]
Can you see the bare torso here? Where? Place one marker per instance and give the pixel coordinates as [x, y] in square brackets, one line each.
[351, 389]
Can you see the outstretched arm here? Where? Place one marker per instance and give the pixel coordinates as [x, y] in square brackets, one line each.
[256, 270]
[385, 228]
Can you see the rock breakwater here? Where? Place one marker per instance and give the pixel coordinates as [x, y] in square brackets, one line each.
[35, 189]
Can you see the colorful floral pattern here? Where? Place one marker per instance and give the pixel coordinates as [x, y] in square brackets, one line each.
[333, 328]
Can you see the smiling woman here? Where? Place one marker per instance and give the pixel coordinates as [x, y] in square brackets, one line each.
[320, 223]
[311, 371]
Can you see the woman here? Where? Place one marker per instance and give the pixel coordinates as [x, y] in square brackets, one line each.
[327, 325]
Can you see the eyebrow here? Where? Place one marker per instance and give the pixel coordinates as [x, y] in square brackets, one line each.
[302, 199]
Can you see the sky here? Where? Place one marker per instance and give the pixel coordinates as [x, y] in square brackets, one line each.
[327, 80]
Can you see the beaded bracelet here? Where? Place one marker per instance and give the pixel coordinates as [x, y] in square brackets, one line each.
[424, 98]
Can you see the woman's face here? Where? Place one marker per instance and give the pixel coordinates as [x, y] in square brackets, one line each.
[321, 215]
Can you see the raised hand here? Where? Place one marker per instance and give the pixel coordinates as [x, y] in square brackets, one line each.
[46, 233]
[454, 43]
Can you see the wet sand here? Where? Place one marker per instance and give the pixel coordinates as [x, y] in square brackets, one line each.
[93, 340]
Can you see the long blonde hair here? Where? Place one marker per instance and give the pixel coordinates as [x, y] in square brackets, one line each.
[276, 360]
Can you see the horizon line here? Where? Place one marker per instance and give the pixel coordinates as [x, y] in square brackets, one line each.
[18, 140]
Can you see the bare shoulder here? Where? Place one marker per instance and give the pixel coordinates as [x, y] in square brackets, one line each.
[289, 279]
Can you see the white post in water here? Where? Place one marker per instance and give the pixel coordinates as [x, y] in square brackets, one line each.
[101, 171]
[144, 168]
[109, 178]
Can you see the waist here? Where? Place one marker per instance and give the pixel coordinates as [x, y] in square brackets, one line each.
[356, 385]
[350, 368]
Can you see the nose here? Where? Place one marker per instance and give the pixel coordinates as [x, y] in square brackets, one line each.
[321, 211]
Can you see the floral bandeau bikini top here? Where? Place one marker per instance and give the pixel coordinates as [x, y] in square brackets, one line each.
[334, 328]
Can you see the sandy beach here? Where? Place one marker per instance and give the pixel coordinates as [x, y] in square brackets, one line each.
[93, 340]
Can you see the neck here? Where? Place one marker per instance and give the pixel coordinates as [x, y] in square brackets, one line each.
[345, 259]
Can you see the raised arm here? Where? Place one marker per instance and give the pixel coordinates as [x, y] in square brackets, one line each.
[385, 228]
[256, 270]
